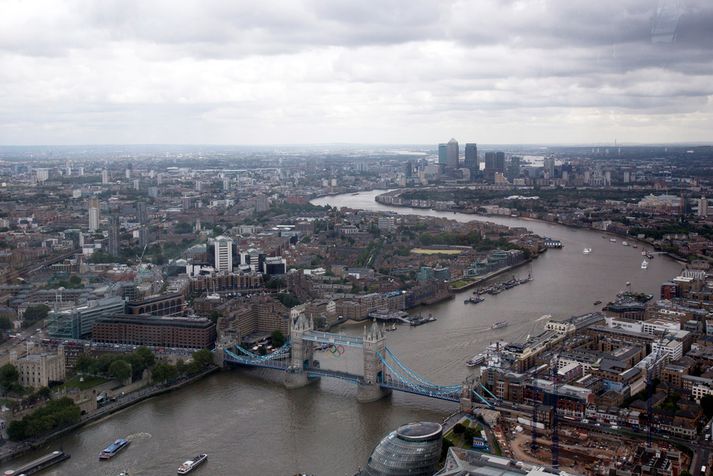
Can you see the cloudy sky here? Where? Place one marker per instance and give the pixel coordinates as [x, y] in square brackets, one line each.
[324, 71]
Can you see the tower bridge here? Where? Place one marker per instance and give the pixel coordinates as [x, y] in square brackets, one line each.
[381, 370]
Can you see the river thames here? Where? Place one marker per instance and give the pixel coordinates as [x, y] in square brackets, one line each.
[249, 424]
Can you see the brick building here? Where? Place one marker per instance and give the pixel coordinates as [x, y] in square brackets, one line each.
[159, 331]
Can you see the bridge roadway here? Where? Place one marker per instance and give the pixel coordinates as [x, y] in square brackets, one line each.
[335, 339]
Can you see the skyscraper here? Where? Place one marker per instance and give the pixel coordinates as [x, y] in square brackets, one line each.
[105, 176]
[500, 162]
[452, 153]
[223, 254]
[549, 165]
[442, 155]
[114, 235]
[141, 212]
[703, 207]
[494, 163]
[94, 216]
[471, 159]
[514, 168]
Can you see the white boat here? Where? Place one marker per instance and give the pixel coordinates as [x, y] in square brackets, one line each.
[586, 251]
[644, 264]
[476, 360]
[612, 240]
[625, 243]
[643, 253]
[192, 464]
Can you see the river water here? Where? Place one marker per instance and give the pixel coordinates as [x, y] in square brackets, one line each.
[249, 424]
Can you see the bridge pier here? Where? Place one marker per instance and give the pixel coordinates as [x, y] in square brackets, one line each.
[302, 353]
[296, 378]
[371, 392]
[219, 357]
[369, 389]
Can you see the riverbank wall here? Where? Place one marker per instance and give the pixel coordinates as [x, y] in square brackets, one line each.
[673, 256]
[488, 276]
[133, 398]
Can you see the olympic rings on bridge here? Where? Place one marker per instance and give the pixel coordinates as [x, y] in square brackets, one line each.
[336, 349]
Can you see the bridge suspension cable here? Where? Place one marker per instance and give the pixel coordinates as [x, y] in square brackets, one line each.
[415, 376]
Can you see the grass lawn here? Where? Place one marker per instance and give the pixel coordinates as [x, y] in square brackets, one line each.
[426, 251]
[88, 382]
[459, 283]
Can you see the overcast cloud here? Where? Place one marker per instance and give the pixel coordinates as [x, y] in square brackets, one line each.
[315, 71]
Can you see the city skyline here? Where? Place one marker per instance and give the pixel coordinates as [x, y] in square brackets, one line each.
[314, 72]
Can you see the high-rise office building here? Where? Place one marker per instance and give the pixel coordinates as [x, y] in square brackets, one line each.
[471, 159]
[494, 163]
[114, 235]
[408, 169]
[223, 254]
[500, 162]
[141, 212]
[549, 165]
[513, 171]
[442, 155]
[452, 153]
[94, 215]
[105, 176]
[703, 207]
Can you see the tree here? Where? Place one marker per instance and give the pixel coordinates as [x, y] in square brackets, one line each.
[9, 376]
[203, 358]
[707, 405]
[278, 338]
[120, 370]
[458, 428]
[146, 356]
[5, 323]
[34, 314]
[164, 372]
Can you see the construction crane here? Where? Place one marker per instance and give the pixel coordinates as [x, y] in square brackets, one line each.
[650, 387]
[141, 258]
[554, 372]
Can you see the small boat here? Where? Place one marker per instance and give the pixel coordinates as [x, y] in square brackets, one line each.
[586, 251]
[113, 449]
[499, 325]
[474, 300]
[392, 328]
[628, 283]
[612, 240]
[476, 360]
[644, 264]
[625, 243]
[192, 464]
[39, 464]
[643, 252]
[597, 302]
[634, 245]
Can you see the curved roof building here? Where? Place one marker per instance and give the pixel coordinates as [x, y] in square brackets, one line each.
[413, 449]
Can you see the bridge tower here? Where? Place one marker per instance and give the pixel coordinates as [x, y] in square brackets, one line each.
[369, 389]
[302, 353]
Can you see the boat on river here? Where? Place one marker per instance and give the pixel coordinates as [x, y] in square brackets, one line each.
[586, 251]
[39, 464]
[500, 325]
[192, 464]
[113, 449]
[644, 264]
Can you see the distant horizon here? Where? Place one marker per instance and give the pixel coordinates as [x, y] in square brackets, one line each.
[370, 144]
[227, 73]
